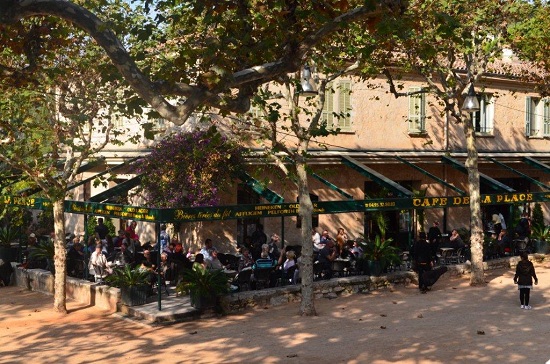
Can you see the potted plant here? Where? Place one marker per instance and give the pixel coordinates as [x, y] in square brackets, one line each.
[540, 234]
[8, 235]
[43, 254]
[379, 253]
[133, 283]
[204, 287]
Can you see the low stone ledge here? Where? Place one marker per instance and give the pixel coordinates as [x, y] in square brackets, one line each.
[240, 301]
[79, 290]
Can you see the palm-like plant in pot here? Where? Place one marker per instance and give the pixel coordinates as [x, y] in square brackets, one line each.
[204, 286]
[133, 283]
[8, 235]
[41, 256]
[541, 235]
[380, 253]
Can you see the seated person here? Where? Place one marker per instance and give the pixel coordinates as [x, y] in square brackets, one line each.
[356, 250]
[122, 257]
[75, 259]
[147, 264]
[326, 256]
[207, 248]
[273, 248]
[504, 242]
[286, 261]
[246, 260]
[213, 262]
[199, 264]
[455, 241]
[99, 265]
[264, 262]
[166, 269]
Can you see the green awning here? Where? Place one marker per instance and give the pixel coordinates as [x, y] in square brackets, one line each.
[327, 183]
[260, 189]
[535, 163]
[116, 191]
[376, 177]
[423, 171]
[331, 185]
[486, 180]
[530, 179]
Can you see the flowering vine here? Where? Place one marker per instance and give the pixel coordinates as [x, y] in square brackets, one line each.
[189, 169]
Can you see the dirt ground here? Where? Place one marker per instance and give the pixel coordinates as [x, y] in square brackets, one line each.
[454, 323]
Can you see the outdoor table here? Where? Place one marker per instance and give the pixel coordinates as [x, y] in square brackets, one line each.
[445, 255]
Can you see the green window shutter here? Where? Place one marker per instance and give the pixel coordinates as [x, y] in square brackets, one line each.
[328, 107]
[528, 115]
[344, 105]
[417, 110]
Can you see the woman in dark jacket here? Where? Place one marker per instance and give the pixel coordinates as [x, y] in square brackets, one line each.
[525, 272]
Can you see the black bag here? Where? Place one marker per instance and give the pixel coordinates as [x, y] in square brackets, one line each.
[431, 276]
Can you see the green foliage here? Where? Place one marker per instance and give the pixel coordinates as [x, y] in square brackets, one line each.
[43, 250]
[92, 223]
[189, 169]
[8, 235]
[44, 224]
[538, 216]
[382, 250]
[127, 277]
[540, 232]
[203, 283]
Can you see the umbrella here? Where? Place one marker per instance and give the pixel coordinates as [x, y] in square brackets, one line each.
[431, 276]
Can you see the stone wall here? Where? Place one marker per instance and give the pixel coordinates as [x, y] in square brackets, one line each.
[240, 301]
[79, 290]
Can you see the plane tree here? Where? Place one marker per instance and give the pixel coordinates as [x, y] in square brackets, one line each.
[185, 57]
[56, 112]
[452, 45]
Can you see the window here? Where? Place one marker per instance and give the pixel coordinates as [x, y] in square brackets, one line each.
[417, 111]
[160, 124]
[337, 107]
[537, 117]
[483, 119]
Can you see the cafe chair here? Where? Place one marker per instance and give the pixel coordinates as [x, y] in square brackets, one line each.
[262, 277]
[288, 276]
[340, 267]
[242, 279]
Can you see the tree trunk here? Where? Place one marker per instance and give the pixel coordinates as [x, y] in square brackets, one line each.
[476, 224]
[60, 257]
[307, 307]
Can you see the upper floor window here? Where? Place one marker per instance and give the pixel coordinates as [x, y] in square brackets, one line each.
[417, 110]
[337, 107]
[537, 117]
[483, 119]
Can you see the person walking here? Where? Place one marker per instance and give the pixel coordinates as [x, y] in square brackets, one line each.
[422, 253]
[525, 272]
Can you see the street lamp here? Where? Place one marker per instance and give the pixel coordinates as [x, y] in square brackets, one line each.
[471, 103]
[308, 89]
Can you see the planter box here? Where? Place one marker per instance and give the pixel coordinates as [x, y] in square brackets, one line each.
[541, 246]
[375, 267]
[203, 303]
[134, 295]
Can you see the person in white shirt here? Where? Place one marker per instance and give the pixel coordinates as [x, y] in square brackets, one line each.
[99, 265]
[316, 238]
